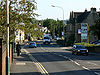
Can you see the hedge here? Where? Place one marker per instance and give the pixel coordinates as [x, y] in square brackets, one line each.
[87, 44]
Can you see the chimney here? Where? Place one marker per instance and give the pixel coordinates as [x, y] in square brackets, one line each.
[71, 15]
[93, 10]
[85, 9]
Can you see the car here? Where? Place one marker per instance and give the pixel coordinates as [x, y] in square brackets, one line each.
[46, 40]
[56, 38]
[96, 42]
[32, 45]
[79, 49]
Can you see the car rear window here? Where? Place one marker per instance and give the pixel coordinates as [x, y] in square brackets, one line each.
[80, 47]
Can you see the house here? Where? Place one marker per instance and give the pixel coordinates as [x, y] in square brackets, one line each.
[19, 36]
[79, 19]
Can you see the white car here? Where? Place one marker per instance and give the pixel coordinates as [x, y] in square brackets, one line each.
[46, 40]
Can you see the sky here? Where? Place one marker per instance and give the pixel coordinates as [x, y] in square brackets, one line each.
[45, 10]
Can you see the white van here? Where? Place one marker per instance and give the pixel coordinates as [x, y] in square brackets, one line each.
[46, 40]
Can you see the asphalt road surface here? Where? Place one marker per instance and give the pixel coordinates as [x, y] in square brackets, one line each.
[57, 60]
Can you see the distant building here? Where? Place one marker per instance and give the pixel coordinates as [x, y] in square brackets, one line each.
[19, 36]
[74, 27]
[44, 30]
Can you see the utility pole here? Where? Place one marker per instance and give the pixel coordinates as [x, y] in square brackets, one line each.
[8, 58]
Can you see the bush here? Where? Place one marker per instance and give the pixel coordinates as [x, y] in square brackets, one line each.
[70, 40]
[60, 42]
[69, 43]
[86, 44]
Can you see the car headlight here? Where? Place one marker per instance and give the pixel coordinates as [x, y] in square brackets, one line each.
[78, 50]
[87, 51]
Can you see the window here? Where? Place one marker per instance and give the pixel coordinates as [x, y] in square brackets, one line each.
[16, 32]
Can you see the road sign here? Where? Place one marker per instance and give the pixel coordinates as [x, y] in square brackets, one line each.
[84, 27]
[62, 33]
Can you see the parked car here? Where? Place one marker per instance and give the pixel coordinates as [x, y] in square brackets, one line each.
[79, 49]
[32, 45]
[57, 38]
[97, 42]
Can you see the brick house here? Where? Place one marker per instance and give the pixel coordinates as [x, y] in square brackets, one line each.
[75, 21]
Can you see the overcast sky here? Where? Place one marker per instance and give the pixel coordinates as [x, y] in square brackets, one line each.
[46, 11]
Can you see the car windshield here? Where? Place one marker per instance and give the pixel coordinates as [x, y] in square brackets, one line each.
[80, 46]
[46, 38]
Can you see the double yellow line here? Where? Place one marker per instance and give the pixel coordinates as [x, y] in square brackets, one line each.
[39, 65]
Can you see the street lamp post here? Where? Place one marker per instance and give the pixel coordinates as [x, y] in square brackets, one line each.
[63, 17]
[8, 56]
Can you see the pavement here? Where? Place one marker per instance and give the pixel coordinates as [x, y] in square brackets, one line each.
[22, 65]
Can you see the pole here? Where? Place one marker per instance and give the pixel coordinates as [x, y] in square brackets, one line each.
[88, 34]
[8, 59]
[62, 17]
[63, 22]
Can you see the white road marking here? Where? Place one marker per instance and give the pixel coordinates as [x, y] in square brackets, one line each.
[77, 63]
[60, 55]
[85, 68]
[71, 60]
[20, 63]
[41, 68]
[92, 63]
[65, 57]
[97, 73]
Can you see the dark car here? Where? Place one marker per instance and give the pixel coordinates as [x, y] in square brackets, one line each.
[95, 42]
[32, 45]
[79, 49]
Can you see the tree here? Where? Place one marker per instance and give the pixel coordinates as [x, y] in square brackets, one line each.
[96, 29]
[55, 27]
[21, 11]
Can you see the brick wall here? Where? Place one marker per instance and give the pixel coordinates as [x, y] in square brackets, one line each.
[3, 57]
[77, 36]
[0, 56]
[11, 52]
[4, 65]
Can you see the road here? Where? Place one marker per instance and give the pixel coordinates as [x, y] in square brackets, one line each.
[54, 60]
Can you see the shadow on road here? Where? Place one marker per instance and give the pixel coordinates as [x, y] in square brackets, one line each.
[26, 73]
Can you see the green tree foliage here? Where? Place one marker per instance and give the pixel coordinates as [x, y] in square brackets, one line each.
[21, 17]
[96, 29]
[54, 26]
[2, 18]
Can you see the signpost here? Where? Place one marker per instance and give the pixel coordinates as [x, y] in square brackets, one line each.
[79, 31]
[84, 27]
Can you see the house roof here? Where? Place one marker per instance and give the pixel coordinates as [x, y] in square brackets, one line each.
[82, 17]
[79, 16]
